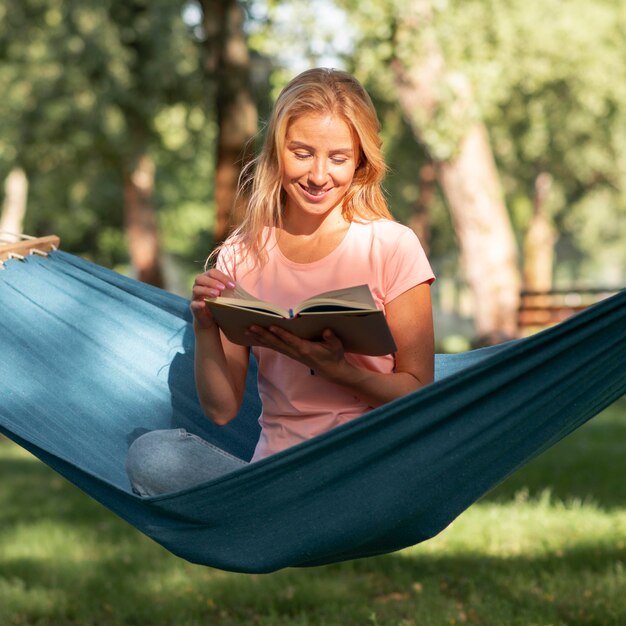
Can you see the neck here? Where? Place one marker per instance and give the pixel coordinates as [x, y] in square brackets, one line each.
[311, 238]
[297, 224]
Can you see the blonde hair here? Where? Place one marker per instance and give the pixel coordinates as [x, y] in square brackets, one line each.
[315, 91]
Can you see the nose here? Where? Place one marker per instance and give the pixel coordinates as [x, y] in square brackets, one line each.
[318, 172]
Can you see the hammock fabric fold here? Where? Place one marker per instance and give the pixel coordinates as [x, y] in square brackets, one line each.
[91, 359]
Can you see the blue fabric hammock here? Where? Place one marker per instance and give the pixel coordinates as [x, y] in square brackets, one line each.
[90, 359]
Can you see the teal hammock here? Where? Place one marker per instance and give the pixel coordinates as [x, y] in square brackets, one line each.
[91, 359]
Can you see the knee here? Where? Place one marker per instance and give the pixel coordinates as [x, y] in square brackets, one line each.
[152, 460]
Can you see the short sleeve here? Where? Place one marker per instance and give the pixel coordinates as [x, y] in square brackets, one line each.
[406, 265]
[227, 260]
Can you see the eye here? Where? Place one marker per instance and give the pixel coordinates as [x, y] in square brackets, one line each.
[301, 155]
[339, 160]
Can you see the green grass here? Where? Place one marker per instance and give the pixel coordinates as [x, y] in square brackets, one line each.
[546, 547]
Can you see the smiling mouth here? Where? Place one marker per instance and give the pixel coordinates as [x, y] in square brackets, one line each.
[314, 191]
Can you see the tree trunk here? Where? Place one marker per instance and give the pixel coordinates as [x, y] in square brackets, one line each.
[420, 220]
[539, 241]
[141, 223]
[488, 249]
[14, 206]
[228, 66]
[467, 174]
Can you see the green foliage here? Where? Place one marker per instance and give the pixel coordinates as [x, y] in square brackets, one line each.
[85, 85]
[92, 85]
[549, 80]
[404, 157]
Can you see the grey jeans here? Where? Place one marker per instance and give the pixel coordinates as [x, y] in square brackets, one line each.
[163, 461]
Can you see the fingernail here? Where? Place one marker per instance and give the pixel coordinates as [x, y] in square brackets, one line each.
[230, 284]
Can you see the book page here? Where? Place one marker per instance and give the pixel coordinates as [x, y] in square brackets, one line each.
[238, 292]
[240, 298]
[357, 297]
[256, 306]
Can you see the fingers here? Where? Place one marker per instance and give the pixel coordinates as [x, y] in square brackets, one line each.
[211, 284]
[279, 339]
[214, 279]
[331, 340]
[314, 354]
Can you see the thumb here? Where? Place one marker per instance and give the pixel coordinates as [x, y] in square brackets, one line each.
[330, 339]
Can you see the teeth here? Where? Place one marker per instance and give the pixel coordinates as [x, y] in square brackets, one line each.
[315, 192]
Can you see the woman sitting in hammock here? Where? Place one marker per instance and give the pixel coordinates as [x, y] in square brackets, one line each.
[316, 220]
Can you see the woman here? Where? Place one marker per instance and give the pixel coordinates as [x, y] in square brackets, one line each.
[316, 220]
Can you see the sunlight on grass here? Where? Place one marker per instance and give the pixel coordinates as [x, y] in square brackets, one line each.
[545, 547]
[16, 597]
[10, 451]
[532, 527]
[47, 540]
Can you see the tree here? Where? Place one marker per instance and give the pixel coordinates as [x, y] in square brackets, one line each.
[547, 81]
[539, 241]
[227, 68]
[438, 103]
[14, 206]
[137, 165]
[87, 96]
[465, 169]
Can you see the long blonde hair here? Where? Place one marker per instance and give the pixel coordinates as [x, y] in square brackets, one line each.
[315, 91]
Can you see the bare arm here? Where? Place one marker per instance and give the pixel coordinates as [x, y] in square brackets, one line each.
[410, 319]
[220, 366]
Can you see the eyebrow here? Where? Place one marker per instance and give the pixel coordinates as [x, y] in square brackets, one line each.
[299, 144]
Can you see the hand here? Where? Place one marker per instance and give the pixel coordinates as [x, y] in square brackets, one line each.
[324, 357]
[207, 285]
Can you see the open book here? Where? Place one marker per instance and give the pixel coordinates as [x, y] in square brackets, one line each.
[350, 313]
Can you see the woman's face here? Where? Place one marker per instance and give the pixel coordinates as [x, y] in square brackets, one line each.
[319, 161]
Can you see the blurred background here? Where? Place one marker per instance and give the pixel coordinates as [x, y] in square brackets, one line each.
[124, 125]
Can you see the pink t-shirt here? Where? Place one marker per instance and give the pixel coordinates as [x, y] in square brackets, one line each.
[297, 405]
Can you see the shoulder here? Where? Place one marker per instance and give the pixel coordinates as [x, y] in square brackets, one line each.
[386, 231]
[400, 256]
[382, 226]
[230, 249]
[390, 243]
[232, 255]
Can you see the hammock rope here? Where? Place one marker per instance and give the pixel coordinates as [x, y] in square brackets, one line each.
[92, 359]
